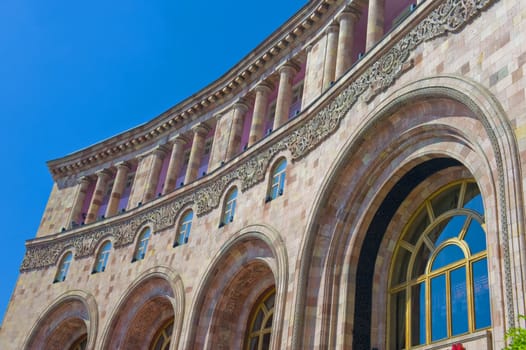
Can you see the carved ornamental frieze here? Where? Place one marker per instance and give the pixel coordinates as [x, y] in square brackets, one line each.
[450, 16]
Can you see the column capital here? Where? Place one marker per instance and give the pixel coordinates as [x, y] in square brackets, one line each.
[218, 116]
[201, 128]
[332, 28]
[160, 151]
[179, 138]
[84, 180]
[123, 164]
[265, 87]
[349, 12]
[289, 67]
[241, 104]
[102, 174]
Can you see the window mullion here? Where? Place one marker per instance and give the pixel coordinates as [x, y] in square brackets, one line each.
[428, 309]
[448, 305]
[408, 317]
[469, 288]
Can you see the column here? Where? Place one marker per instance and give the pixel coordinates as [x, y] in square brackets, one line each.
[260, 111]
[308, 88]
[219, 142]
[330, 55]
[118, 188]
[152, 179]
[175, 164]
[344, 58]
[196, 153]
[375, 23]
[236, 133]
[83, 184]
[98, 195]
[286, 75]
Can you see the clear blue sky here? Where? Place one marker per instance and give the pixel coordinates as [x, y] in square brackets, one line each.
[74, 73]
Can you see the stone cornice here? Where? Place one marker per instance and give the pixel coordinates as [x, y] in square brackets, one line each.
[302, 136]
[274, 49]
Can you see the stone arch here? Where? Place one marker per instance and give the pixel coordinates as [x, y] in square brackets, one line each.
[155, 297]
[250, 262]
[443, 122]
[71, 316]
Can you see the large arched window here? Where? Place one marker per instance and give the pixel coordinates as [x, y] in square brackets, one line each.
[161, 341]
[185, 226]
[277, 182]
[102, 257]
[80, 344]
[142, 245]
[260, 326]
[63, 269]
[230, 207]
[439, 275]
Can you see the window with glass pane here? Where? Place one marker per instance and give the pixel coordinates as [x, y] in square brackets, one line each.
[441, 267]
[162, 340]
[80, 344]
[260, 327]
[278, 179]
[184, 227]
[102, 257]
[142, 245]
[64, 267]
[230, 206]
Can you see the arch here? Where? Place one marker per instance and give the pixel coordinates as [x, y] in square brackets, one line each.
[155, 297]
[250, 262]
[418, 126]
[71, 316]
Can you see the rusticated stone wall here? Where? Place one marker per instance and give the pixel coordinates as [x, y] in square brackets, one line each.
[451, 84]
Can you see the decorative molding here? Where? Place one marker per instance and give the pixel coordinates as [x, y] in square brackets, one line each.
[450, 16]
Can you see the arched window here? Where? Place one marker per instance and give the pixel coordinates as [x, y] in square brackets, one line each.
[184, 228]
[277, 182]
[439, 275]
[80, 344]
[102, 257]
[63, 267]
[162, 339]
[260, 326]
[230, 207]
[142, 245]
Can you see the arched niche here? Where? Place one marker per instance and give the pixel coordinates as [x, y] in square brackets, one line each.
[71, 317]
[253, 261]
[152, 301]
[418, 131]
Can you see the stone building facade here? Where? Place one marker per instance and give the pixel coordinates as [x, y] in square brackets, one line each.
[355, 182]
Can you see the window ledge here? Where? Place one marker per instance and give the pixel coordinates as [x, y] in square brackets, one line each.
[477, 340]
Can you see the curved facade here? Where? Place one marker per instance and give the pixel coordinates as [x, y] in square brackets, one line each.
[354, 183]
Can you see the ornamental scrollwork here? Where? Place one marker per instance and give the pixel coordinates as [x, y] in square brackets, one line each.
[450, 16]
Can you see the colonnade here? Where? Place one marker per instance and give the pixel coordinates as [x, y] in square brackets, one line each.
[228, 134]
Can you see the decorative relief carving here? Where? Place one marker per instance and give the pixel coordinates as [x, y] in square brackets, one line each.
[450, 16]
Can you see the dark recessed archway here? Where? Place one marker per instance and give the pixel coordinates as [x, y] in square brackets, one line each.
[371, 244]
